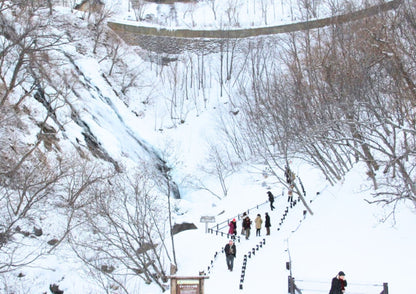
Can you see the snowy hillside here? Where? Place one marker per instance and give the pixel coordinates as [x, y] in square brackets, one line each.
[343, 234]
[127, 136]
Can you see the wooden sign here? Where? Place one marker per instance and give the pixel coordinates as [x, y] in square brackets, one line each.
[187, 285]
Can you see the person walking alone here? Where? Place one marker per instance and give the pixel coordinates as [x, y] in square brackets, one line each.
[258, 222]
[271, 199]
[338, 284]
[267, 224]
[230, 253]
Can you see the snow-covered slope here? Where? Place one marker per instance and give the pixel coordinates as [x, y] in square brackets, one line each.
[127, 129]
[344, 233]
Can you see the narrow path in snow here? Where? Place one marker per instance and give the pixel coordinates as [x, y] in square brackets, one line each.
[265, 259]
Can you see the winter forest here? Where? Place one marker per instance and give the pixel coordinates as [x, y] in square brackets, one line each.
[99, 154]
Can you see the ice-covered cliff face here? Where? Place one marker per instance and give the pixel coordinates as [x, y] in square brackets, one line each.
[73, 77]
[109, 128]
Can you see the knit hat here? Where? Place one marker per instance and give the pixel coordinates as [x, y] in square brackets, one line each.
[341, 273]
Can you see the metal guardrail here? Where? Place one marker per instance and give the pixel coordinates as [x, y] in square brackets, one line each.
[224, 224]
[355, 288]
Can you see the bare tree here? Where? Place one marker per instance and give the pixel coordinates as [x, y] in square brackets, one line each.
[98, 22]
[265, 119]
[338, 96]
[221, 166]
[138, 8]
[35, 181]
[24, 197]
[24, 51]
[127, 226]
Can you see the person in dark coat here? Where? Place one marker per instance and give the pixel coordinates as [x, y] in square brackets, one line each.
[230, 252]
[243, 231]
[267, 224]
[338, 284]
[247, 226]
[271, 199]
[235, 227]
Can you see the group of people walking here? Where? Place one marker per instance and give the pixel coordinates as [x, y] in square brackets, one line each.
[230, 248]
[246, 225]
[338, 283]
[246, 222]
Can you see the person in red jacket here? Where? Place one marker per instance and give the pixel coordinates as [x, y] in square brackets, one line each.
[338, 284]
[232, 228]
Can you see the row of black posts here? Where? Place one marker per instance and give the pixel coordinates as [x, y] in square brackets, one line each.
[222, 234]
[211, 265]
[252, 252]
[283, 217]
[216, 230]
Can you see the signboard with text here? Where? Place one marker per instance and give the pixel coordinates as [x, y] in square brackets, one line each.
[207, 219]
[187, 285]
